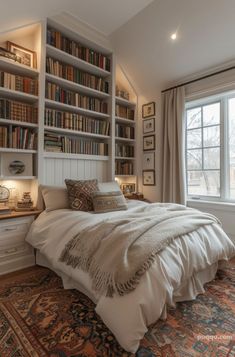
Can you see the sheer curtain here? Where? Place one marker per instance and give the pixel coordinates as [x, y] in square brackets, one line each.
[173, 161]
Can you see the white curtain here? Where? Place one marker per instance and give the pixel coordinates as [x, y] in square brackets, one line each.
[173, 161]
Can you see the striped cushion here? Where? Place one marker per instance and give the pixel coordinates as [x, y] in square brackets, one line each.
[109, 201]
[80, 194]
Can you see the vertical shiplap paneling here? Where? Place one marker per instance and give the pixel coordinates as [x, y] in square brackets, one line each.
[81, 169]
[49, 171]
[67, 168]
[58, 180]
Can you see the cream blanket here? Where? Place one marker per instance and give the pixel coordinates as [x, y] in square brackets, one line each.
[117, 252]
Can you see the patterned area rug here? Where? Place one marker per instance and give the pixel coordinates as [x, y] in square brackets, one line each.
[38, 318]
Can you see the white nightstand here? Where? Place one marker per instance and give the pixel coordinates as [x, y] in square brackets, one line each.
[15, 253]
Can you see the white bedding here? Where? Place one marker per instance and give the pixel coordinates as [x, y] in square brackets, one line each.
[178, 274]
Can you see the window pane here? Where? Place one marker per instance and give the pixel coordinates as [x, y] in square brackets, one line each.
[211, 136]
[211, 114]
[194, 118]
[194, 159]
[194, 138]
[211, 158]
[204, 183]
[232, 147]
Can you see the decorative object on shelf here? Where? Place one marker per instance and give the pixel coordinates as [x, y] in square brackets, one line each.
[128, 188]
[148, 177]
[148, 110]
[4, 199]
[149, 142]
[148, 125]
[26, 56]
[15, 164]
[26, 203]
[9, 55]
[122, 93]
[149, 161]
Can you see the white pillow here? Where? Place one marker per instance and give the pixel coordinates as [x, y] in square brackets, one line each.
[55, 197]
[109, 186]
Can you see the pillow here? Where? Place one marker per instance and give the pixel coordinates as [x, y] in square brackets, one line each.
[80, 194]
[109, 201]
[109, 186]
[54, 197]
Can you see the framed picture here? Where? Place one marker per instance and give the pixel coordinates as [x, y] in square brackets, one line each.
[149, 142]
[149, 161]
[24, 55]
[148, 125]
[148, 110]
[15, 164]
[128, 188]
[148, 177]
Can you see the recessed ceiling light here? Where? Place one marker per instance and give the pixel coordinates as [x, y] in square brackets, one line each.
[174, 36]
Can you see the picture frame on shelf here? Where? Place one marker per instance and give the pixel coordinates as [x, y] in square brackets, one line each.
[149, 161]
[16, 164]
[149, 143]
[148, 177]
[148, 125]
[148, 110]
[127, 188]
[24, 55]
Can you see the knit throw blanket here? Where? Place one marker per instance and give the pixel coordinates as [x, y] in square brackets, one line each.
[116, 252]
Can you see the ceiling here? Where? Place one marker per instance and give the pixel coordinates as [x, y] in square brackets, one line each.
[206, 38]
[104, 15]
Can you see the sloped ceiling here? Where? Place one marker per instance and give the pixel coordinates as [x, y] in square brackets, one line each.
[104, 15]
[206, 38]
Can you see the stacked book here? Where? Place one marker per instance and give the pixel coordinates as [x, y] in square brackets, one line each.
[19, 83]
[52, 142]
[56, 39]
[26, 203]
[123, 168]
[73, 121]
[124, 112]
[58, 94]
[74, 74]
[124, 131]
[123, 150]
[15, 110]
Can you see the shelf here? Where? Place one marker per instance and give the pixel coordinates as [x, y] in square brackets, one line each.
[62, 155]
[124, 158]
[116, 175]
[57, 105]
[17, 177]
[124, 120]
[77, 87]
[17, 123]
[13, 94]
[124, 102]
[20, 151]
[17, 68]
[74, 61]
[124, 139]
[75, 132]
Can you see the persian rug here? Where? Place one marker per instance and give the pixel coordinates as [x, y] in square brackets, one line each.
[38, 318]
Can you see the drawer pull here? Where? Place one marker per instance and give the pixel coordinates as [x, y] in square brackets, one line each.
[10, 229]
[10, 251]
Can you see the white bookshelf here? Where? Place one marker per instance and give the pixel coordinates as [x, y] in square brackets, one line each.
[17, 95]
[62, 155]
[75, 132]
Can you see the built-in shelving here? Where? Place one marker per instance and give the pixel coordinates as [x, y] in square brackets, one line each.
[75, 132]
[124, 121]
[125, 102]
[20, 151]
[17, 123]
[62, 155]
[17, 95]
[8, 65]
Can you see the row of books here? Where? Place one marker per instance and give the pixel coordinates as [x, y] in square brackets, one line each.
[65, 144]
[57, 39]
[124, 131]
[17, 138]
[124, 150]
[55, 92]
[19, 83]
[124, 168]
[75, 121]
[15, 110]
[124, 112]
[74, 74]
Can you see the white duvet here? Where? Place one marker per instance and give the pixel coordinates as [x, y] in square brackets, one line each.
[178, 274]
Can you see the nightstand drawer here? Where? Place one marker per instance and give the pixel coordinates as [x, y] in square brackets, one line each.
[17, 249]
[14, 226]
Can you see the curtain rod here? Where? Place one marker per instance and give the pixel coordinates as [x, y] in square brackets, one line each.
[199, 79]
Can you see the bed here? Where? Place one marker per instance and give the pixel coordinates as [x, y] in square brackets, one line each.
[178, 273]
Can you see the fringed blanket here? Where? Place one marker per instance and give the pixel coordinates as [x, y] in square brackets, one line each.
[116, 252]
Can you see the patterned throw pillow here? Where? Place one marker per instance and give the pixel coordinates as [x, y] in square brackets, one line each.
[109, 201]
[80, 194]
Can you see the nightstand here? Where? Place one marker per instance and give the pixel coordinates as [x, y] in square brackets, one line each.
[15, 253]
[138, 197]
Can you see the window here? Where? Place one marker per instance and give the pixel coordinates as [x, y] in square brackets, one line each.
[210, 148]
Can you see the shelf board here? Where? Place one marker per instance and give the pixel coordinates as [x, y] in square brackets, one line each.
[17, 177]
[124, 120]
[75, 61]
[124, 158]
[57, 105]
[13, 94]
[17, 68]
[18, 123]
[125, 175]
[75, 132]
[125, 102]
[20, 151]
[77, 87]
[62, 155]
[124, 139]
